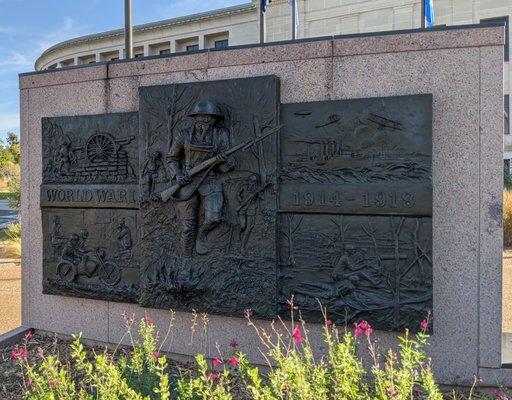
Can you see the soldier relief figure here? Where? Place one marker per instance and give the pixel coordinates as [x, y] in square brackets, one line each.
[205, 140]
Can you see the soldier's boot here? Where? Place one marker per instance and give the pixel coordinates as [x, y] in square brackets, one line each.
[184, 272]
[202, 246]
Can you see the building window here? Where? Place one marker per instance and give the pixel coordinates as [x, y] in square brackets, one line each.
[221, 43]
[165, 51]
[506, 113]
[114, 59]
[92, 62]
[193, 47]
[139, 55]
[507, 34]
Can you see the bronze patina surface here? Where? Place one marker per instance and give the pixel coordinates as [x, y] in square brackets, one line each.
[217, 198]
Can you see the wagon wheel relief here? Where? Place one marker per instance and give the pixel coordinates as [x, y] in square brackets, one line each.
[100, 147]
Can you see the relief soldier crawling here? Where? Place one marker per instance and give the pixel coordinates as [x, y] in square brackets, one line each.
[207, 139]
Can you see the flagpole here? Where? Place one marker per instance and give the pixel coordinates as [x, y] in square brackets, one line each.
[262, 25]
[128, 29]
[294, 26]
[423, 13]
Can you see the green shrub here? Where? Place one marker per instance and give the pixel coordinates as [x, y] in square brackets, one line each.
[14, 195]
[295, 373]
[13, 232]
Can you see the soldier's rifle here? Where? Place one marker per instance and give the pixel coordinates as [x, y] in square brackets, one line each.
[167, 194]
[252, 196]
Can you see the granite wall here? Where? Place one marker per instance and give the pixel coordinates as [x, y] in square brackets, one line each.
[461, 67]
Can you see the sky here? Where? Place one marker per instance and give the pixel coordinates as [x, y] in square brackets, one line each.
[28, 27]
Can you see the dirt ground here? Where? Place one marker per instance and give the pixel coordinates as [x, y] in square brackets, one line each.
[10, 295]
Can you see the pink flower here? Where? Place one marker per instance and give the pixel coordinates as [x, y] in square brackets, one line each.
[328, 323]
[28, 383]
[233, 361]
[214, 376]
[233, 343]
[499, 394]
[53, 382]
[297, 335]
[247, 313]
[149, 320]
[19, 352]
[424, 325]
[29, 335]
[363, 328]
[155, 355]
[216, 362]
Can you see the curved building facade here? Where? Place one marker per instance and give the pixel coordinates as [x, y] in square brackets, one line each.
[239, 25]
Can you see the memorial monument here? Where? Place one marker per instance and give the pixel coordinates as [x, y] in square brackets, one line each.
[363, 173]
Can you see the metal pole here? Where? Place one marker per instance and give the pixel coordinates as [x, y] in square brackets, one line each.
[294, 25]
[262, 25]
[128, 29]
[423, 13]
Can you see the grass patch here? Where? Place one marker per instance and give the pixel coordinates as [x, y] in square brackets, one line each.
[10, 242]
[5, 194]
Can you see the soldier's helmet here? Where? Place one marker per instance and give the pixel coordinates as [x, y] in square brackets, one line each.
[73, 238]
[206, 107]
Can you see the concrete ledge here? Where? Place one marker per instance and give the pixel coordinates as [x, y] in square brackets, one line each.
[420, 41]
[175, 63]
[266, 54]
[64, 76]
[14, 336]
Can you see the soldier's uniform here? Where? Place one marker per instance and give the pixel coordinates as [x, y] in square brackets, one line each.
[189, 149]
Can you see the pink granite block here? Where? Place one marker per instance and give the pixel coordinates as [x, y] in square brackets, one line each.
[73, 99]
[269, 54]
[25, 210]
[64, 76]
[307, 80]
[447, 75]
[491, 219]
[419, 41]
[185, 62]
[172, 78]
[178, 334]
[492, 377]
[122, 94]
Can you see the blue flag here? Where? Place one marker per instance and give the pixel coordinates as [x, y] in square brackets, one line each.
[264, 4]
[429, 13]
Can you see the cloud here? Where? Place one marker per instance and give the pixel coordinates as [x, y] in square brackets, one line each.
[7, 29]
[67, 30]
[14, 60]
[9, 122]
